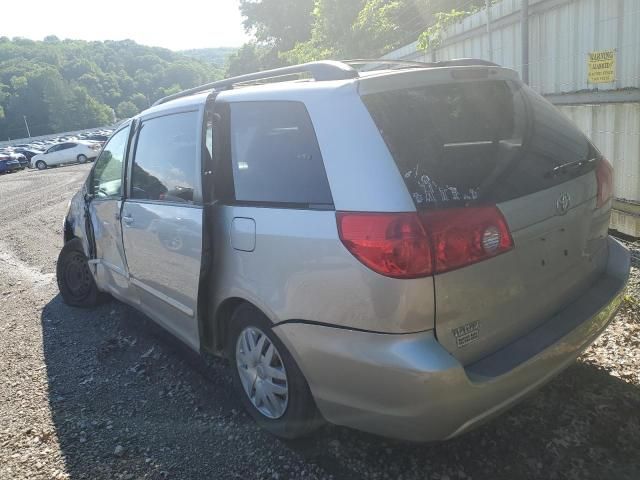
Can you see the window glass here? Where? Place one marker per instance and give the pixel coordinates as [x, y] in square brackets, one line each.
[107, 173]
[476, 141]
[275, 154]
[165, 166]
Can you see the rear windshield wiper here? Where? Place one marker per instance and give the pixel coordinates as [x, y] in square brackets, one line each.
[561, 169]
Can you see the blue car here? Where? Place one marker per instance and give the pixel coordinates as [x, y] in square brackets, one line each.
[9, 164]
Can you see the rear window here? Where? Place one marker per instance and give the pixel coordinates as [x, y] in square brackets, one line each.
[275, 155]
[486, 141]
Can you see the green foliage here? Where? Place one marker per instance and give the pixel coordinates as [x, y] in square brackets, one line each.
[140, 101]
[126, 109]
[214, 56]
[279, 24]
[251, 57]
[339, 29]
[332, 35]
[432, 36]
[62, 85]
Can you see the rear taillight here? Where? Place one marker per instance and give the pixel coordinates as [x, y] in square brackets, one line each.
[604, 176]
[411, 245]
[462, 236]
[392, 244]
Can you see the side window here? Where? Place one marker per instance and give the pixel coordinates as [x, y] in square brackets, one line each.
[107, 173]
[275, 154]
[55, 148]
[165, 166]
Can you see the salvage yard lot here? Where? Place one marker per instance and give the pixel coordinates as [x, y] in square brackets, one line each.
[105, 394]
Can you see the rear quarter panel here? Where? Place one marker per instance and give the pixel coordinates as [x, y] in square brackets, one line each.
[299, 270]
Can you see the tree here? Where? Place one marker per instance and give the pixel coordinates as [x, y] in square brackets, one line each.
[278, 23]
[140, 101]
[248, 58]
[336, 29]
[332, 35]
[383, 25]
[126, 109]
[70, 84]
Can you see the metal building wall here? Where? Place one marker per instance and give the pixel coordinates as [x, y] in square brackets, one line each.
[615, 130]
[561, 35]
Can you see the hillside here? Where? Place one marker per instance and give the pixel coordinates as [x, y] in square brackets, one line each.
[215, 56]
[72, 84]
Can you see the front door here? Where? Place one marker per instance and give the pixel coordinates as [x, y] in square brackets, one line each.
[106, 188]
[53, 154]
[162, 220]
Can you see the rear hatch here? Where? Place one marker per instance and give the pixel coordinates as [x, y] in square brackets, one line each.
[476, 137]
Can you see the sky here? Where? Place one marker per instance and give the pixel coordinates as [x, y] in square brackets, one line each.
[176, 25]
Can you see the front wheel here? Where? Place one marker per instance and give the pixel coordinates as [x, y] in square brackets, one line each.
[82, 158]
[272, 387]
[75, 282]
[40, 165]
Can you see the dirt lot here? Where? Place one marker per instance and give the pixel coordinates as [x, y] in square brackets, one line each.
[105, 394]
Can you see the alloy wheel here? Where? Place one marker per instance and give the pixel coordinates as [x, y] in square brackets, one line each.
[262, 373]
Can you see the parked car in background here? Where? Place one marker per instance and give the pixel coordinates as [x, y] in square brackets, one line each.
[9, 164]
[407, 252]
[29, 153]
[22, 158]
[96, 137]
[66, 152]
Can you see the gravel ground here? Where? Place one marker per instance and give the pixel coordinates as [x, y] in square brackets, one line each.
[106, 394]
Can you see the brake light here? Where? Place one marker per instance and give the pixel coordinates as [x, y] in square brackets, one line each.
[412, 245]
[604, 177]
[392, 244]
[463, 236]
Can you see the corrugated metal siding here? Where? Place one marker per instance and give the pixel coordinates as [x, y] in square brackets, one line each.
[615, 130]
[561, 35]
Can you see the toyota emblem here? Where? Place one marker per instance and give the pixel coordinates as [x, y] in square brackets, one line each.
[563, 203]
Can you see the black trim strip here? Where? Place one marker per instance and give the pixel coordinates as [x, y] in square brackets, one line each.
[282, 205]
[342, 327]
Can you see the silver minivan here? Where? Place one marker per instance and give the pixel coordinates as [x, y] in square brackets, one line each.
[406, 249]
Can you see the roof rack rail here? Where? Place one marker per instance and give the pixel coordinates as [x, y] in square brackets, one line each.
[456, 62]
[320, 71]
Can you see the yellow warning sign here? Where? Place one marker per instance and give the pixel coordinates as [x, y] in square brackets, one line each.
[602, 66]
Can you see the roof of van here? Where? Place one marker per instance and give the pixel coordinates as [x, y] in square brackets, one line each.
[382, 78]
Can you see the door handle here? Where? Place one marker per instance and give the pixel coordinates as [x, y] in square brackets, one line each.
[127, 219]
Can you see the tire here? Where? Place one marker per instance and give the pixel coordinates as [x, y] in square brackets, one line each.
[295, 417]
[75, 281]
[82, 158]
[40, 165]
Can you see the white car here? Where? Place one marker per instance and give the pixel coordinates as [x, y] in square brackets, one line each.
[66, 152]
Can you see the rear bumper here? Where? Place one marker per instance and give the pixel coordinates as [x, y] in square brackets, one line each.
[409, 387]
